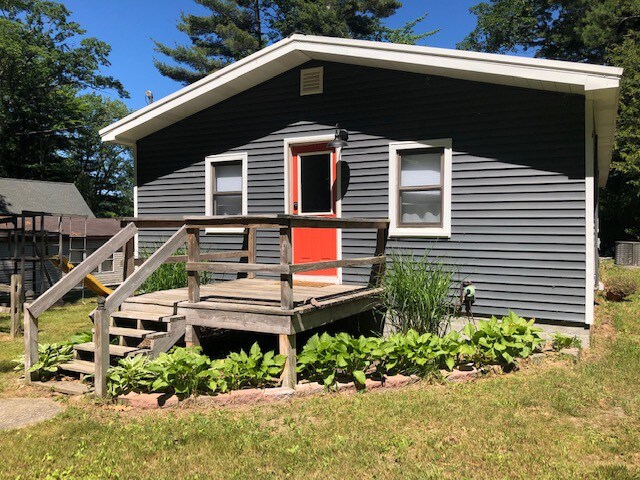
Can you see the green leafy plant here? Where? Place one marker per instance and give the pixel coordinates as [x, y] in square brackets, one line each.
[51, 356]
[560, 341]
[182, 371]
[169, 275]
[254, 369]
[417, 293]
[131, 374]
[81, 337]
[502, 341]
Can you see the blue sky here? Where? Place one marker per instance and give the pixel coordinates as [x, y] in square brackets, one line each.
[130, 26]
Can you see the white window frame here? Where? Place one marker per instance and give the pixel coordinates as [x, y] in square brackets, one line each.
[208, 186]
[113, 265]
[420, 231]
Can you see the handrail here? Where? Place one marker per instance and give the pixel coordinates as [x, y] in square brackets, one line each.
[131, 284]
[75, 276]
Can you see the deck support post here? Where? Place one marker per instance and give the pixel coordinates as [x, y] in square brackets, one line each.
[101, 354]
[286, 280]
[193, 255]
[377, 270]
[288, 349]
[31, 356]
[15, 304]
[191, 337]
[251, 249]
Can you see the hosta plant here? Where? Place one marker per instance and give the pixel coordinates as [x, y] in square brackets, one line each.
[560, 341]
[182, 371]
[503, 341]
[131, 374]
[254, 369]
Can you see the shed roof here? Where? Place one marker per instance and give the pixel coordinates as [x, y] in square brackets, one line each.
[17, 195]
[599, 84]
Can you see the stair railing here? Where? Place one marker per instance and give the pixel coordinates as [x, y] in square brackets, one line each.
[33, 309]
[112, 303]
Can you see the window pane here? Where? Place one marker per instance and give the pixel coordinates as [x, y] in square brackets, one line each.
[107, 265]
[227, 204]
[420, 168]
[315, 183]
[228, 177]
[421, 207]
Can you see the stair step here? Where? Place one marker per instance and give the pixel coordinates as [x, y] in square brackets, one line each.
[79, 366]
[131, 332]
[149, 316]
[116, 350]
[68, 387]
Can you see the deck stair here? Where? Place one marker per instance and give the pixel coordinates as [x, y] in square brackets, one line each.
[131, 333]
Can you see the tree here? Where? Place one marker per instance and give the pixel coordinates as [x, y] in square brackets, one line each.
[606, 31]
[235, 29]
[45, 61]
[103, 172]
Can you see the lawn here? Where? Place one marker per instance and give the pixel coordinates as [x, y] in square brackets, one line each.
[558, 420]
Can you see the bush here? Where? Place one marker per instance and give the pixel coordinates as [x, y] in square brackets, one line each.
[417, 294]
[502, 341]
[131, 374]
[253, 370]
[560, 341]
[51, 356]
[619, 282]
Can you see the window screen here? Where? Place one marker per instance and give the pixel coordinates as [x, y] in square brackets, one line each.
[420, 187]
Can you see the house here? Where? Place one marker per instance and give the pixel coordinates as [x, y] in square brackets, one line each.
[50, 217]
[491, 163]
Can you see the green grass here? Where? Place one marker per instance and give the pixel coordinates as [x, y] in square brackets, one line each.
[560, 420]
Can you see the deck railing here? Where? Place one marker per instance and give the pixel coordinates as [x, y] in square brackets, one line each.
[197, 262]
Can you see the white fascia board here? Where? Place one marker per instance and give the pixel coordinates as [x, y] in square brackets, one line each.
[297, 49]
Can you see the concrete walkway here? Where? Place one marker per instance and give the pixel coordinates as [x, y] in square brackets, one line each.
[20, 412]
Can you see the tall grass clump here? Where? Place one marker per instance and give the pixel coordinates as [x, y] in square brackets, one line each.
[416, 294]
[169, 275]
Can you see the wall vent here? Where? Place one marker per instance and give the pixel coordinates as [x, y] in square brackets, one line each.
[311, 80]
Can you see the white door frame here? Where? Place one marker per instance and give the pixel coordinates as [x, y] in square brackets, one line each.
[289, 143]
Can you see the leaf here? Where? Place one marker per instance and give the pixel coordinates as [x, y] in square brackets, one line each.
[450, 362]
[359, 376]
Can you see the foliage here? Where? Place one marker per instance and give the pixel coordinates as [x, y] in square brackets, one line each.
[503, 341]
[169, 275]
[254, 369]
[103, 172]
[560, 341]
[423, 354]
[51, 356]
[183, 371]
[45, 63]
[236, 29]
[186, 371]
[131, 374]
[620, 281]
[604, 31]
[81, 337]
[416, 293]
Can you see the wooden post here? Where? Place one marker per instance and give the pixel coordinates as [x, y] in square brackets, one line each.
[129, 260]
[15, 304]
[31, 356]
[101, 353]
[288, 349]
[193, 255]
[191, 337]
[251, 248]
[377, 270]
[286, 280]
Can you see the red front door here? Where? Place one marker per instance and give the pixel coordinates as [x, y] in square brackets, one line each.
[314, 192]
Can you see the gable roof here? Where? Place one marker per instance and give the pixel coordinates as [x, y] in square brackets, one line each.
[17, 195]
[600, 84]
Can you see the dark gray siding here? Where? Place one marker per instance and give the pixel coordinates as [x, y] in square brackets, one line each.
[518, 206]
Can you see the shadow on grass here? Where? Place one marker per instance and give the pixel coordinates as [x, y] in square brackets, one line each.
[7, 366]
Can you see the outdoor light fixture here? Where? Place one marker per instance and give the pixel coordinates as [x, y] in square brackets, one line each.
[340, 139]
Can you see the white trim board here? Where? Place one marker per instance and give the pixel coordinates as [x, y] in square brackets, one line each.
[306, 140]
[601, 83]
[208, 201]
[590, 233]
[419, 231]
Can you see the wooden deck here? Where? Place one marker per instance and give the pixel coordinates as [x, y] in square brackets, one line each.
[254, 305]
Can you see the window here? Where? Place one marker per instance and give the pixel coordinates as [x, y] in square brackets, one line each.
[315, 183]
[226, 187]
[107, 265]
[420, 188]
